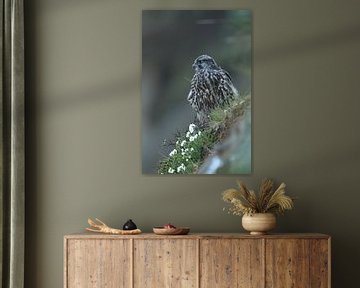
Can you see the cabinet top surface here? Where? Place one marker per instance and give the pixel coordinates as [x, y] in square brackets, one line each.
[87, 235]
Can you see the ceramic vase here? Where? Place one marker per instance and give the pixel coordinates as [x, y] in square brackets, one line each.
[259, 223]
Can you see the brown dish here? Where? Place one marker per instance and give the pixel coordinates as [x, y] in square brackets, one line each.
[171, 231]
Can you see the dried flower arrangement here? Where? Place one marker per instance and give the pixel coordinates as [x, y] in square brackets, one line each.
[268, 200]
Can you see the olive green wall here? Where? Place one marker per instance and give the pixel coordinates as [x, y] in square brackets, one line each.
[83, 126]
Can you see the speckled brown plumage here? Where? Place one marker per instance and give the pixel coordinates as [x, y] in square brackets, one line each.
[211, 87]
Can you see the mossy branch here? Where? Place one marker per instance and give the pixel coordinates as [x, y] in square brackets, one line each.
[191, 147]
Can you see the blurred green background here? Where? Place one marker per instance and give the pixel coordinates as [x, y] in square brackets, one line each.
[171, 40]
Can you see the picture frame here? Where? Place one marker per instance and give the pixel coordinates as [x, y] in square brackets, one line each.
[196, 92]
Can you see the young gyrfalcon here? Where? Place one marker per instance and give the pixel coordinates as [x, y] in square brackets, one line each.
[211, 87]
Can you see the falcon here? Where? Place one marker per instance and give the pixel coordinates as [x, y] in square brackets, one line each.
[211, 87]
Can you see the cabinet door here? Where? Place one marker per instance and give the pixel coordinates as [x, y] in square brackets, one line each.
[165, 263]
[320, 263]
[287, 263]
[231, 263]
[98, 263]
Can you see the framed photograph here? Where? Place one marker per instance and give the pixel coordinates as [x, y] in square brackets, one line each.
[196, 91]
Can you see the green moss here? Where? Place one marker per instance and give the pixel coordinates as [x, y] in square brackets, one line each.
[188, 153]
[192, 146]
[217, 115]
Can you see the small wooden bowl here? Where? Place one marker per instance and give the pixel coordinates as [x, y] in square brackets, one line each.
[171, 231]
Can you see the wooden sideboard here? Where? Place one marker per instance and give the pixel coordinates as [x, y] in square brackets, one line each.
[197, 260]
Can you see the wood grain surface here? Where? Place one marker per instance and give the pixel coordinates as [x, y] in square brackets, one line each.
[89, 235]
[165, 263]
[231, 263]
[197, 260]
[319, 263]
[98, 263]
[287, 263]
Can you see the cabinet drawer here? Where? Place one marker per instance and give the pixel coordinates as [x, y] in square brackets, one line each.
[297, 263]
[98, 263]
[231, 263]
[165, 263]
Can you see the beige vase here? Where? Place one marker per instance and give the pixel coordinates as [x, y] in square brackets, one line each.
[259, 223]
